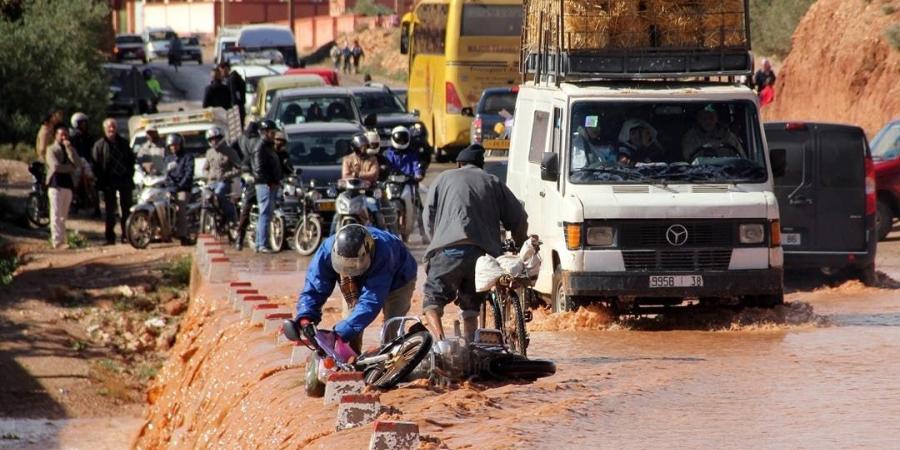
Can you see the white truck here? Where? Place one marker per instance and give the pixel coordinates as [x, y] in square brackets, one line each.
[647, 175]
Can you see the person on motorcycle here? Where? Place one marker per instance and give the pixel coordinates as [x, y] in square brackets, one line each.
[401, 157]
[267, 175]
[222, 166]
[463, 214]
[363, 164]
[375, 272]
[151, 156]
[180, 179]
[284, 157]
[247, 143]
[709, 133]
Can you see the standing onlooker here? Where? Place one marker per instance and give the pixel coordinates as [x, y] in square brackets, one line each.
[237, 87]
[267, 175]
[357, 53]
[181, 179]
[335, 54]
[346, 55]
[83, 143]
[764, 76]
[217, 93]
[46, 133]
[114, 169]
[62, 161]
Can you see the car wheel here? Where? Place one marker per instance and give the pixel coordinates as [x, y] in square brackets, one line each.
[764, 301]
[884, 219]
[560, 301]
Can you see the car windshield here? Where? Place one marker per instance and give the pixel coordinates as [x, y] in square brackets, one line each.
[319, 149]
[129, 40]
[162, 35]
[378, 103]
[689, 142]
[497, 102]
[886, 146]
[319, 108]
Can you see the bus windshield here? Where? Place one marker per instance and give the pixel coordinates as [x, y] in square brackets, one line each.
[491, 20]
[666, 142]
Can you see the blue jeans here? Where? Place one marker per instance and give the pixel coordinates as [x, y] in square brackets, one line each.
[266, 203]
[223, 192]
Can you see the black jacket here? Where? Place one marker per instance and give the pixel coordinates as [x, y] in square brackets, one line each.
[83, 145]
[217, 94]
[266, 164]
[238, 88]
[287, 168]
[181, 177]
[113, 163]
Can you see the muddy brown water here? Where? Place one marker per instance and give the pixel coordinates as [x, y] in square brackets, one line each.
[823, 371]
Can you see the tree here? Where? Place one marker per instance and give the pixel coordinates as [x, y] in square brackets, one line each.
[50, 58]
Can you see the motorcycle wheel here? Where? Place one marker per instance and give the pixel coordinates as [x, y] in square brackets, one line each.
[413, 348]
[308, 236]
[314, 387]
[521, 368]
[276, 233]
[514, 325]
[34, 213]
[402, 226]
[193, 226]
[138, 229]
[208, 222]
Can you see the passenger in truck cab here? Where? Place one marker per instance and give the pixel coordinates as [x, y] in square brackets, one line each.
[708, 137]
[589, 147]
[638, 143]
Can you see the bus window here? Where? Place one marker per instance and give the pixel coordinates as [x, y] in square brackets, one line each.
[431, 29]
[491, 20]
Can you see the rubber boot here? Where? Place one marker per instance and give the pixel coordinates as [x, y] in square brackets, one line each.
[469, 325]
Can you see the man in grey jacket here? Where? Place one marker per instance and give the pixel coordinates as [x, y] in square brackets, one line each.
[222, 166]
[62, 160]
[463, 214]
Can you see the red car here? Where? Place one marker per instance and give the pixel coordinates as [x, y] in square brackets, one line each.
[330, 76]
[886, 153]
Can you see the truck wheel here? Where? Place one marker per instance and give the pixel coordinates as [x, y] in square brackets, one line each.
[868, 275]
[884, 219]
[561, 301]
[768, 301]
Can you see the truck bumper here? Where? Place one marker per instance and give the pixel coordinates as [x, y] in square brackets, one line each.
[715, 284]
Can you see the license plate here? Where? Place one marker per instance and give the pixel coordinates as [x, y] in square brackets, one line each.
[669, 281]
[326, 206]
[496, 144]
[790, 239]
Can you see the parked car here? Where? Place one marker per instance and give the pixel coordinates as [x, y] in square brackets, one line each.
[254, 38]
[330, 76]
[388, 110]
[494, 118]
[328, 104]
[826, 198]
[191, 50]
[129, 46]
[267, 87]
[156, 42]
[886, 154]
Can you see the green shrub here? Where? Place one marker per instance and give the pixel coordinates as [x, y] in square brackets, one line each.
[19, 152]
[7, 269]
[178, 271]
[892, 34]
[772, 24]
[370, 8]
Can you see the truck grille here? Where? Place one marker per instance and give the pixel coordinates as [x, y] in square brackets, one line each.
[681, 260]
[652, 234]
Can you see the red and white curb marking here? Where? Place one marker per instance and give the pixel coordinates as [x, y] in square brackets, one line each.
[356, 410]
[259, 312]
[274, 321]
[393, 435]
[343, 383]
[249, 301]
[219, 270]
[235, 288]
[239, 295]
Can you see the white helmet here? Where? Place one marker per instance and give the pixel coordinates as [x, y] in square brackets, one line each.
[400, 137]
[78, 117]
[374, 142]
[214, 132]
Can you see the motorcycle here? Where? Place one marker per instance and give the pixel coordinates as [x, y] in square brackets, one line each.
[402, 194]
[307, 229]
[383, 368]
[152, 219]
[350, 206]
[212, 214]
[37, 209]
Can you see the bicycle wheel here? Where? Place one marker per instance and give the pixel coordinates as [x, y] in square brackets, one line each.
[413, 349]
[495, 314]
[514, 331]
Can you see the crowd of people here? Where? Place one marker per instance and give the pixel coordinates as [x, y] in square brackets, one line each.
[347, 58]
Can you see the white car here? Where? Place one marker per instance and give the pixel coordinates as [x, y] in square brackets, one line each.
[252, 74]
[156, 41]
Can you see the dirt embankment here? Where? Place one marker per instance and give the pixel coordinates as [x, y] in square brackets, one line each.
[841, 67]
[382, 53]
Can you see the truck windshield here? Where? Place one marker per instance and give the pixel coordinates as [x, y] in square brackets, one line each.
[665, 142]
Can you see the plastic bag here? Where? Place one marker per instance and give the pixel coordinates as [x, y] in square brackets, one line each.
[511, 265]
[487, 272]
[530, 258]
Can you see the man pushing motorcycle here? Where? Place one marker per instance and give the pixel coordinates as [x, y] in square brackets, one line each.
[374, 271]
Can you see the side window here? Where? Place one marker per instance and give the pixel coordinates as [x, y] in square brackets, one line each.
[429, 32]
[796, 145]
[842, 157]
[538, 136]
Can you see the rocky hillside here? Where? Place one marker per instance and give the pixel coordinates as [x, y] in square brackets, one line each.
[843, 67]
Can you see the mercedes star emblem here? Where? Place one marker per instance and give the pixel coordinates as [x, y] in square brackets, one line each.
[677, 235]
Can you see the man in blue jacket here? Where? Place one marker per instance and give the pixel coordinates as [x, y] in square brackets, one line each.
[375, 272]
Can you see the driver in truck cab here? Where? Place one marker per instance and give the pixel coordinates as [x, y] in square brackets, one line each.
[375, 272]
[709, 133]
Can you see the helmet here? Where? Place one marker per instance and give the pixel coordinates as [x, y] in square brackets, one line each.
[374, 142]
[359, 143]
[400, 137]
[78, 117]
[267, 125]
[351, 254]
[174, 139]
[214, 132]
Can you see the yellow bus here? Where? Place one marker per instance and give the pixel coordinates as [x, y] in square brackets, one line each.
[457, 49]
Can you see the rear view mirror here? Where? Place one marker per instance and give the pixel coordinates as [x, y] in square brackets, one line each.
[415, 112]
[778, 156]
[550, 167]
[468, 112]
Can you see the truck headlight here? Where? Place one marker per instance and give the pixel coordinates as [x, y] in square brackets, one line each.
[603, 236]
[752, 233]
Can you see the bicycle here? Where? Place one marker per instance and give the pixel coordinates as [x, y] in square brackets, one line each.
[509, 308]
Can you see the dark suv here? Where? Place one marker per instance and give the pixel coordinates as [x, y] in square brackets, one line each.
[826, 198]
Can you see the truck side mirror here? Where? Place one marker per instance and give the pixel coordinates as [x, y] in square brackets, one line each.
[778, 156]
[404, 38]
[550, 167]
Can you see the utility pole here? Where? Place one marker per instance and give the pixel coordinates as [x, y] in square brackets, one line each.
[291, 16]
[222, 19]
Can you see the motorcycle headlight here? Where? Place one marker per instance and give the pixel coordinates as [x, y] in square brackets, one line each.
[603, 236]
[377, 193]
[752, 233]
[331, 192]
[290, 191]
[314, 195]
